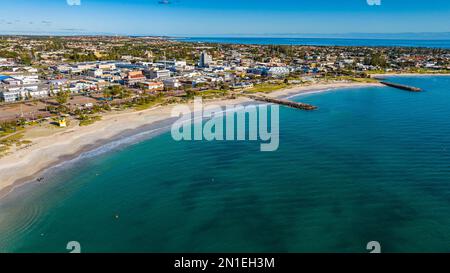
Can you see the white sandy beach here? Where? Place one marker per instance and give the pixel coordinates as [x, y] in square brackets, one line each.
[318, 87]
[49, 145]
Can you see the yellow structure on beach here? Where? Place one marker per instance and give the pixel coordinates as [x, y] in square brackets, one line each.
[62, 122]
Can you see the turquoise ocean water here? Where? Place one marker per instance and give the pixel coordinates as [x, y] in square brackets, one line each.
[371, 164]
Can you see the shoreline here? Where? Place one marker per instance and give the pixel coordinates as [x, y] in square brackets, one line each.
[24, 166]
[316, 88]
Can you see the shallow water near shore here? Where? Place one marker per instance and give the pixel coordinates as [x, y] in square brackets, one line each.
[373, 163]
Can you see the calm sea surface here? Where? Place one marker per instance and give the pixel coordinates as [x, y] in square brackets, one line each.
[324, 42]
[370, 164]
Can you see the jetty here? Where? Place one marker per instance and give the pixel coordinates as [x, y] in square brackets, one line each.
[292, 104]
[402, 86]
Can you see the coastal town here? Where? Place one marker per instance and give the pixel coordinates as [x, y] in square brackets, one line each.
[223, 136]
[72, 80]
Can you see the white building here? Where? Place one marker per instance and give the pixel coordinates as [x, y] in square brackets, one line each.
[19, 93]
[28, 79]
[85, 66]
[9, 96]
[12, 82]
[278, 71]
[172, 83]
[6, 62]
[172, 63]
[22, 80]
[151, 86]
[57, 84]
[95, 72]
[106, 66]
[157, 74]
[30, 69]
[198, 81]
[63, 68]
[243, 85]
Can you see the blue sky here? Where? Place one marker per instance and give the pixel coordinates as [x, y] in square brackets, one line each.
[223, 17]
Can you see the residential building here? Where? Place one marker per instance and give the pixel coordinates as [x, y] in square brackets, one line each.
[133, 77]
[278, 71]
[243, 85]
[151, 86]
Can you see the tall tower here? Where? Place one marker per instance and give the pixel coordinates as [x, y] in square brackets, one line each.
[205, 59]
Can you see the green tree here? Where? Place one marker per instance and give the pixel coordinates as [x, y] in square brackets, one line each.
[190, 94]
[116, 91]
[25, 59]
[376, 59]
[62, 97]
